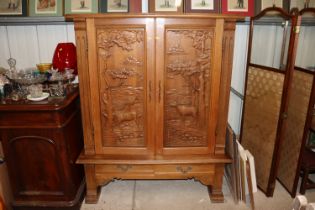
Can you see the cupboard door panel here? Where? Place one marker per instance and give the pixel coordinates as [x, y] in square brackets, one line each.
[122, 86]
[184, 83]
[122, 77]
[187, 86]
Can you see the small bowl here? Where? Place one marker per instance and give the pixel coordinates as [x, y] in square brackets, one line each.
[43, 67]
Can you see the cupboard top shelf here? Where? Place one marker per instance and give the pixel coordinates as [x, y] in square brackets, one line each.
[153, 15]
[60, 20]
[68, 19]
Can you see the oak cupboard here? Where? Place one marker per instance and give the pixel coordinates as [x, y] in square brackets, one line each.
[154, 96]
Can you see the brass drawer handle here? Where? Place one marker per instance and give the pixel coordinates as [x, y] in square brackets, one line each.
[183, 170]
[124, 168]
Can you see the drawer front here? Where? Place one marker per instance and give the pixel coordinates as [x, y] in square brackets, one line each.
[184, 169]
[158, 171]
[123, 168]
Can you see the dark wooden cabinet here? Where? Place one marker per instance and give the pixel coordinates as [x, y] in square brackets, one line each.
[41, 142]
[154, 97]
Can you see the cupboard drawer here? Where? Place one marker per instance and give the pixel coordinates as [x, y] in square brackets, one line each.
[123, 168]
[184, 169]
[176, 168]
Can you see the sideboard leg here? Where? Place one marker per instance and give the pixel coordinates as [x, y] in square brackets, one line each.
[215, 190]
[92, 189]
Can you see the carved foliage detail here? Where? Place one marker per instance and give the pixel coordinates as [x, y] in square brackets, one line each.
[121, 38]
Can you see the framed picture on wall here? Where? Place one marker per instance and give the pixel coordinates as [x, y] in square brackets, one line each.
[263, 4]
[196, 6]
[81, 6]
[114, 6]
[13, 7]
[166, 6]
[238, 7]
[135, 6]
[45, 8]
[301, 4]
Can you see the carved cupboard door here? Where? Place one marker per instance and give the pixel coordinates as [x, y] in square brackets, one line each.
[187, 85]
[122, 80]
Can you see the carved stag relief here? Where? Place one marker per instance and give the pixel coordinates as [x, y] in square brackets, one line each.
[187, 87]
[121, 73]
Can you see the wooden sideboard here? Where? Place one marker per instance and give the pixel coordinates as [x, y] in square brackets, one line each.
[154, 97]
[41, 142]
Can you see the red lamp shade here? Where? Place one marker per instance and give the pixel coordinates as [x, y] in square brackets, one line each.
[65, 57]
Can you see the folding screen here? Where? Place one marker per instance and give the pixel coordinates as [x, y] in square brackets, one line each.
[269, 72]
[300, 106]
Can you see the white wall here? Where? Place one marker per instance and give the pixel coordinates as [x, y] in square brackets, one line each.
[238, 76]
[32, 44]
[306, 49]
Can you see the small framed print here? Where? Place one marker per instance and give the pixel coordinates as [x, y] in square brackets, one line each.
[81, 6]
[166, 6]
[45, 8]
[114, 6]
[13, 7]
[211, 6]
[263, 4]
[135, 6]
[302, 4]
[238, 7]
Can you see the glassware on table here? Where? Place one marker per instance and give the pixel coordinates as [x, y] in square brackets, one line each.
[36, 91]
[57, 90]
[65, 57]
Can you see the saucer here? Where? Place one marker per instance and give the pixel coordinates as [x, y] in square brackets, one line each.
[44, 96]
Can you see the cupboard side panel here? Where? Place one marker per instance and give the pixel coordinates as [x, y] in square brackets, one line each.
[227, 62]
[83, 72]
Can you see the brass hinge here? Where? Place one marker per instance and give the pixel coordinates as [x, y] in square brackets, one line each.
[296, 29]
[92, 131]
[2, 160]
[216, 131]
[86, 44]
[284, 115]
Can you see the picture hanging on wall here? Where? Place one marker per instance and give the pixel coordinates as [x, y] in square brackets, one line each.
[166, 6]
[45, 8]
[263, 4]
[301, 4]
[135, 6]
[114, 6]
[238, 7]
[13, 7]
[81, 6]
[197, 6]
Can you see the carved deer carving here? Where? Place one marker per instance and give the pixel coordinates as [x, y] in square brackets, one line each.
[186, 110]
[120, 117]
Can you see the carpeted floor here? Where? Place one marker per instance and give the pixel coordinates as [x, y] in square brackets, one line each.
[180, 195]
